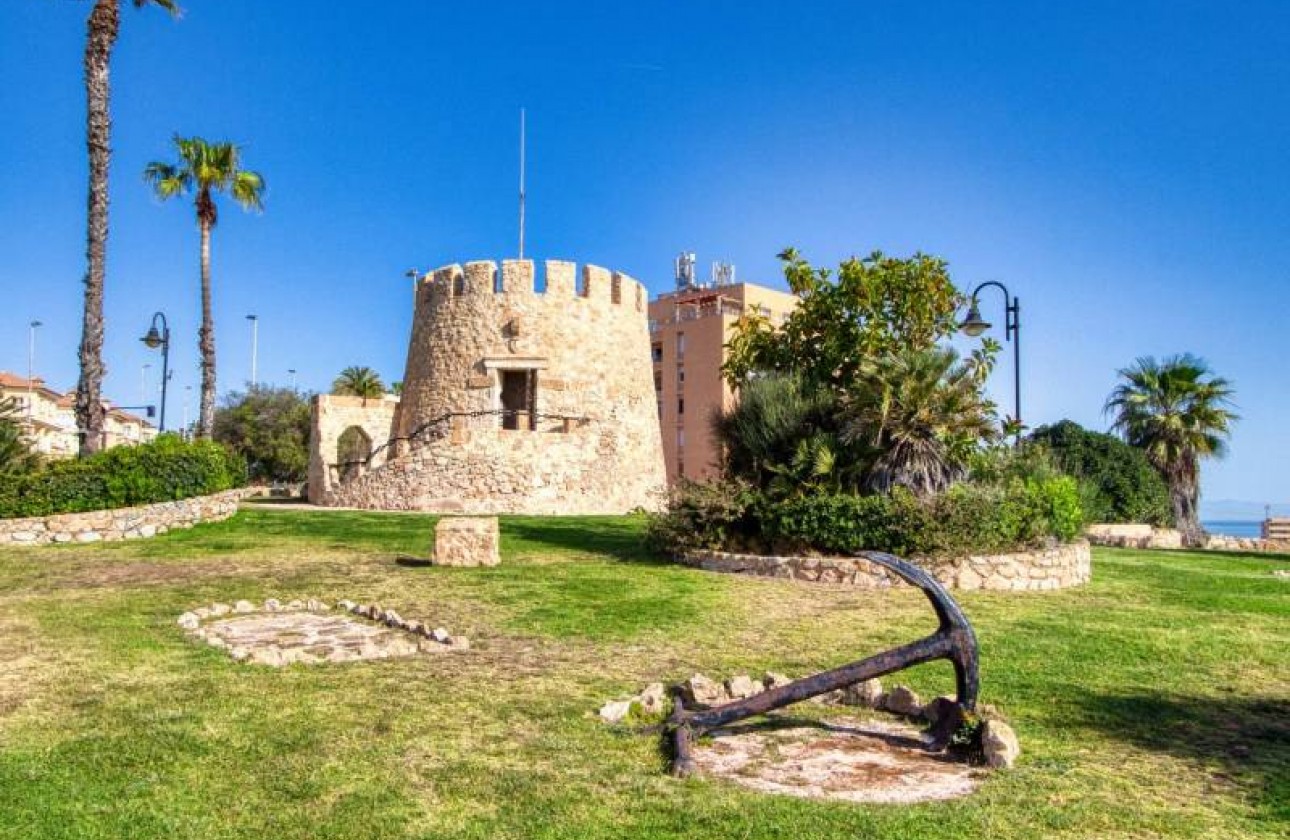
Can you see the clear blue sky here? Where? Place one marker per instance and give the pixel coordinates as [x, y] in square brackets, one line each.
[1121, 166]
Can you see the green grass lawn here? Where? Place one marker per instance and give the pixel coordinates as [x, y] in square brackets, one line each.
[1154, 702]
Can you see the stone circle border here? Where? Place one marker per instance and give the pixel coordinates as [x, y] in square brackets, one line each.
[428, 638]
[1058, 567]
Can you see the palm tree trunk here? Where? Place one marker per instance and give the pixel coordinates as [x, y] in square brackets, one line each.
[206, 340]
[1184, 493]
[102, 28]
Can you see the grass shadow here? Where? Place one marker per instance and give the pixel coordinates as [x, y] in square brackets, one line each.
[1244, 741]
[622, 538]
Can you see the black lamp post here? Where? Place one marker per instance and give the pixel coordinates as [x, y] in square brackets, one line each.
[160, 338]
[974, 325]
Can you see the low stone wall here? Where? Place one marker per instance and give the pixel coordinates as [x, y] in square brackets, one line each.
[121, 523]
[1048, 568]
[1137, 535]
[1132, 535]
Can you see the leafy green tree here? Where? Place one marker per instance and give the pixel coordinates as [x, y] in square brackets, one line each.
[1117, 482]
[875, 306]
[356, 381]
[16, 452]
[206, 169]
[269, 427]
[102, 29]
[1177, 412]
[922, 414]
[780, 432]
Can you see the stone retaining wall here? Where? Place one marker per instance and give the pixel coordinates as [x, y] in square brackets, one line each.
[1048, 568]
[121, 523]
[1137, 535]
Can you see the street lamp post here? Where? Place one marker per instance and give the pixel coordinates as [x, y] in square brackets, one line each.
[974, 325]
[255, 346]
[160, 338]
[31, 366]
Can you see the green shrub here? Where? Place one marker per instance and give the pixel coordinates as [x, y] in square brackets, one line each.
[716, 515]
[1117, 482]
[163, 470]
[967, 518]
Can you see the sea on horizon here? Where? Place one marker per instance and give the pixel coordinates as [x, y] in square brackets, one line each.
[1234, 527]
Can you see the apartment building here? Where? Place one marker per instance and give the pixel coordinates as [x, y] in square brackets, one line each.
[689, 329]
[48, 418]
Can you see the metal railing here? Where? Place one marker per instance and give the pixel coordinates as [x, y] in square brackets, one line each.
[441, 426]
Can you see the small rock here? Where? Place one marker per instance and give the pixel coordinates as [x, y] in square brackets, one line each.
[272, 605]
[653, 699]
[829, 698]
[315, 605]
[220, 609]
[441, 635]
[244, 607]
[902, 701]
[699, 692]
[741, 686]
[416, 627]
[391, 618]
[346, 605]
[999, 743]
[296, 604]
[1281, 573]
[774, 679]
[460, 643]
[867, 694]
[202, 612]
[189, 621]
[240, 654]
[615, 710]
[268, 655]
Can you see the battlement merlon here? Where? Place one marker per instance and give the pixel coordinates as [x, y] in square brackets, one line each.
[518, 277]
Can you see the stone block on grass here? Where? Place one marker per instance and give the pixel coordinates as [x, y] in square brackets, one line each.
[466, 541]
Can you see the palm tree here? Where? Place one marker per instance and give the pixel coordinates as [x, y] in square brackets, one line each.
[357, 381]
[1178, 412]
[921, 414]
[102, 27]
[206, 169]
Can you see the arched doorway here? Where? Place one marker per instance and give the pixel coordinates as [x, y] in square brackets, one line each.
[353, 448]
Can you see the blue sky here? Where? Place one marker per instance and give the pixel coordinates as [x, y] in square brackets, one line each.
[1122, 167]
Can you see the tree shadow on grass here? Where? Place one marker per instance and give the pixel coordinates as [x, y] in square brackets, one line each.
[622, 538]
[1244, 741]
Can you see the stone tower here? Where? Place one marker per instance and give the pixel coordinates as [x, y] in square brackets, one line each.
[514, 400]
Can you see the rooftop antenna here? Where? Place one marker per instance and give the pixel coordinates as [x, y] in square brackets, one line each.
[521, 183]
[685, 271]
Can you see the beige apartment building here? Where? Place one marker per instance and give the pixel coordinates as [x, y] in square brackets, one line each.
[48, 418]
[689, 329]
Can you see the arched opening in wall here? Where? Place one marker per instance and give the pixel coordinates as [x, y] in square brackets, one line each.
[353, 448]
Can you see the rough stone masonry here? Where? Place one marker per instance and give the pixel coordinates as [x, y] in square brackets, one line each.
[514, 401]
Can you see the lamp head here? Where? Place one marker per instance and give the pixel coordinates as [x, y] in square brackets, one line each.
[974, 324]
[153, 338]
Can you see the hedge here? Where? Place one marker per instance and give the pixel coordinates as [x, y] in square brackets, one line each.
[162, 470]
[1117, 482]
[966, 519]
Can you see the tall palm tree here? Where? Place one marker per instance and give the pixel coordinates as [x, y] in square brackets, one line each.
[1178, 412]
[102, 27]
[357, 381]
[206, 169]
[921, 414]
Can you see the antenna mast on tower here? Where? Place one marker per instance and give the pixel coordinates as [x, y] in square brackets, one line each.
[521, 183]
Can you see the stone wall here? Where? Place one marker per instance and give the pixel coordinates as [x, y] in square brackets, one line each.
[1048, 568]
[1137, 535]
[121, 523]
[595, 444]
[330, 417]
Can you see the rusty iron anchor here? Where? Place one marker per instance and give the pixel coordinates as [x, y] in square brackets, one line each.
[953, 640]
